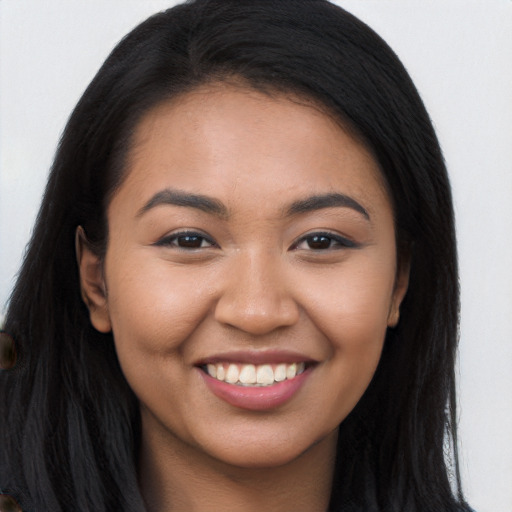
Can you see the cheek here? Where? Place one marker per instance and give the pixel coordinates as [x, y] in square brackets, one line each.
[351, 306]
[153, 307]
[353, 320]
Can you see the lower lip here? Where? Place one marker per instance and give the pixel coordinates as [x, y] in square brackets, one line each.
[256, 398]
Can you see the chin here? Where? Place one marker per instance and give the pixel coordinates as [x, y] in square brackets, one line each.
[262, 459]
[274, 453]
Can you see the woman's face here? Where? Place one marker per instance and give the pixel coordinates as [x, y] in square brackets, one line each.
[252, 239]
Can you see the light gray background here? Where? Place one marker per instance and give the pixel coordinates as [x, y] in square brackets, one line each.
[460, 55]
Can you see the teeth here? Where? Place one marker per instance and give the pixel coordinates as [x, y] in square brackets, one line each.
[232, 374]
[280, 373]
[248, 374]
[291, 371]
[265, 375]
[251, 375]
[212, 370]
[221, 373]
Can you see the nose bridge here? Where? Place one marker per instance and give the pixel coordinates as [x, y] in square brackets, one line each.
[256, 298]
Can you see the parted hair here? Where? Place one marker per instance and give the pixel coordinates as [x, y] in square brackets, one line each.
[70, 424]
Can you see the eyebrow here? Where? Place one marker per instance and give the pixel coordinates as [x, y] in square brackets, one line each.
[180, 198]
[319, 202]
[215, 207]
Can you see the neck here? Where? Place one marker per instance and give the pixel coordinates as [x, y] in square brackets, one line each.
[179, 477]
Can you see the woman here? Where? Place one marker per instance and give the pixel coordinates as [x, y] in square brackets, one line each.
[228, 298]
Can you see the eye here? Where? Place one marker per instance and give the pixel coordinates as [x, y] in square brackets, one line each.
[187, 240]
[323, 241]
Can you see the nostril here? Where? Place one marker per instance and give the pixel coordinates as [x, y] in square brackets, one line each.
[257, 297]
[256, 320]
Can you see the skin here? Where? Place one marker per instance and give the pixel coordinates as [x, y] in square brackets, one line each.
[255, 282]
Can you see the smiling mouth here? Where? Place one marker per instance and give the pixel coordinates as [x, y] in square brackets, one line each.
[261, 375]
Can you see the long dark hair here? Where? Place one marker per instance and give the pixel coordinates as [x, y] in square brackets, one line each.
[70, 423]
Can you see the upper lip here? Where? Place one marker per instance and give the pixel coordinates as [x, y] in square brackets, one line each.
[256, 357]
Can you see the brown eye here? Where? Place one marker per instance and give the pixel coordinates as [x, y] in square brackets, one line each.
[190, 241]
[186, 240]
[324, 242]
[319, 242]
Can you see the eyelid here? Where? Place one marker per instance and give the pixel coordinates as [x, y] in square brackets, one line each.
[342, 241]
[168, 239]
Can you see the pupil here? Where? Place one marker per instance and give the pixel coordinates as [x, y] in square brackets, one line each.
[189, 241]
[319, 242]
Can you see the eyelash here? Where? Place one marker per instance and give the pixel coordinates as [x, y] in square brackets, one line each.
[187, 236]
[335, 242]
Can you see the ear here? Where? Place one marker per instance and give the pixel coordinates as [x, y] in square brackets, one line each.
[401, 285]
[92, 282]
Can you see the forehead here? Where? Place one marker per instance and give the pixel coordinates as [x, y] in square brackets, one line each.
[238, 143]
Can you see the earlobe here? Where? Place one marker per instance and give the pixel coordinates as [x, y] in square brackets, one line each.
[92, 283]
[401, 285]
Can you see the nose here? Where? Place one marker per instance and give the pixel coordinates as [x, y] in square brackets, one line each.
[256, 298]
